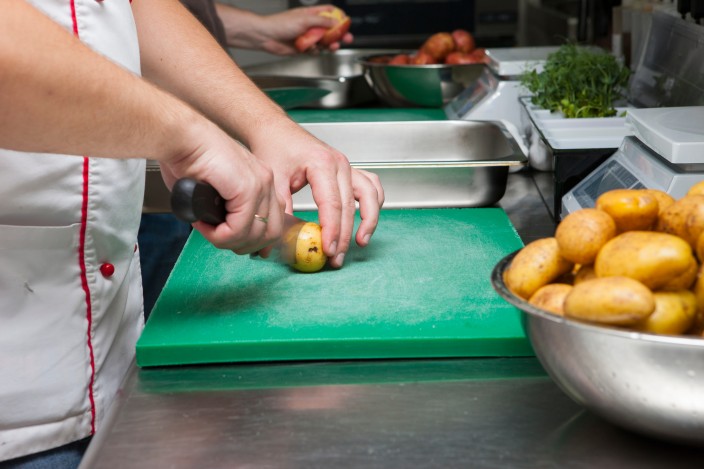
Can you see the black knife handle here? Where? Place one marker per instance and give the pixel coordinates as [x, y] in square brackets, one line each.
[192, 200]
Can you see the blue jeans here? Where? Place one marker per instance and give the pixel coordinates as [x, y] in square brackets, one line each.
[161, 239]
[64, 457]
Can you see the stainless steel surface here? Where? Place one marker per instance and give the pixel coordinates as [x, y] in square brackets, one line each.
[528, 211]
[337, 72]
[481, 413]
[491, 413]
[644, 382]
[418, 85]
[456, 163]
[156, 196]
[425, 163]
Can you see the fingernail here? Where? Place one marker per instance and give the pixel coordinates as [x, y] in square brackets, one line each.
[333, 247]
[340, 259]
[366, 238]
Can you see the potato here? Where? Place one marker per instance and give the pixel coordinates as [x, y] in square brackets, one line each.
[664, 199]
[325, 36]
[438, 46]
[400, 59]
[302, 247]
[617, 301]
[309, 39]
[685, 280]
[696, 189]
[649, 257]
[584, 273]
[631, 209]
[583, 233]
[464, 41]
[337, 32]
[454, 58]
[551, 297]
[698, 290]
[421, 58]
[674, 313]
[309, 249]
[699, 248]
[684, 218]
[536, 265]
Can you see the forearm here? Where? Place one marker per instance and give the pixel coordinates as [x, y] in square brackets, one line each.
[179, 55]
[92, 107]
[241, 27]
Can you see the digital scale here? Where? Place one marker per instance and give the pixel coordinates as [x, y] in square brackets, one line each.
[666, 152]
[495, 95]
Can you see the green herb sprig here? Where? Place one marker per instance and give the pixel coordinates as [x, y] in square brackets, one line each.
[579, 82]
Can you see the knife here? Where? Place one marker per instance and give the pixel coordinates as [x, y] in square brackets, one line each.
[197, 201]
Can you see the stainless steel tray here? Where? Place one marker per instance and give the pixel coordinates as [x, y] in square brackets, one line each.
[338, 72]
[421, 164]
[424, 164]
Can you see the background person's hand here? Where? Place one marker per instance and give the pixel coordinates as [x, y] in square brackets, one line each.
[275, 33]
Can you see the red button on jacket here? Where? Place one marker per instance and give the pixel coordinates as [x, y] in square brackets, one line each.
[107, 269]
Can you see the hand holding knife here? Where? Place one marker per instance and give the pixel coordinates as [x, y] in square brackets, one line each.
[301, 243]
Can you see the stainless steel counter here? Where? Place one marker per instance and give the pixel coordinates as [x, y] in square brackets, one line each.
[483, 413]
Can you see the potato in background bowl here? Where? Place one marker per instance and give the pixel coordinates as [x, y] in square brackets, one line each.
[417, 85]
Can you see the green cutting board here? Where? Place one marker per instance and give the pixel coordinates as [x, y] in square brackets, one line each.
[420, 289]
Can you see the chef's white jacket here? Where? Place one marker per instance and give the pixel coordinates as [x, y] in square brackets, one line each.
[70, 288]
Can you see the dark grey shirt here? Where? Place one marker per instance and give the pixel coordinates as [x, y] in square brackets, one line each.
[205, 11]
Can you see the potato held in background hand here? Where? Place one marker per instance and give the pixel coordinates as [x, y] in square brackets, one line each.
[324, 36]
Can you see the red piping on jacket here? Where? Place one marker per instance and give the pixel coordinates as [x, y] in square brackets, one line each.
[82, 261]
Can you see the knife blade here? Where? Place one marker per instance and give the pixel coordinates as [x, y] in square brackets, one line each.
[197, 201]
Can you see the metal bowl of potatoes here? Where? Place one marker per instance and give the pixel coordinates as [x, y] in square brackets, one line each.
[650, 384]
[406, 85]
